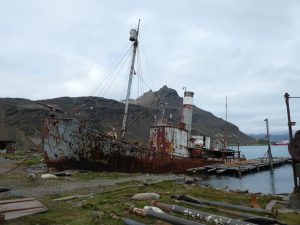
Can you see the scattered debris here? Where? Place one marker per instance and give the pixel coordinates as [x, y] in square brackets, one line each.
[131, 222]
[3, 189]
[246, 217]
[190, 181]
[271, 204]
[264, 220]
[155, 209]
[220, 204]
[96, 216]
[31, 176]
[62, 174]
[203, 216]
[73, 197]
[162, 216]
[254, 203]
[145, 196]
[114, 216]
[40, 168]
[1, 218]
[20, 207]
[48, 176]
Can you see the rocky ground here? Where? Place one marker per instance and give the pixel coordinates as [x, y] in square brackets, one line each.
[17, 178]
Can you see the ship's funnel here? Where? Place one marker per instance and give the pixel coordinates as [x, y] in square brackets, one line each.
[187, 111]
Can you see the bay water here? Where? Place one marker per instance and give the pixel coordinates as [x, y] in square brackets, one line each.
[278, 182]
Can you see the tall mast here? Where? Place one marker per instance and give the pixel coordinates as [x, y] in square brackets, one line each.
[134, 38]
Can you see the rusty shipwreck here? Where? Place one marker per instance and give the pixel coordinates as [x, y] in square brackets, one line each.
[70, 144]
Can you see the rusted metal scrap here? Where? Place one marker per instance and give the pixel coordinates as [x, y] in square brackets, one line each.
[202, 216]
[131, 222]
[162, 216]
[254, 203]
[260, 220]
[20, 207]
[220, 204]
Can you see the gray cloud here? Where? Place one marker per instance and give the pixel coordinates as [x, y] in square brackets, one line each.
[246, 50]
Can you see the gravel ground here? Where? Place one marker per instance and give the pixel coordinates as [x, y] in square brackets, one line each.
[16, 179]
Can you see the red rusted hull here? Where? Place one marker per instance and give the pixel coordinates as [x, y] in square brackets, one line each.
[135, 165]
[68, 144]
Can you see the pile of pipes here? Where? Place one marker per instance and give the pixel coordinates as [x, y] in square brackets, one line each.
[198, 217]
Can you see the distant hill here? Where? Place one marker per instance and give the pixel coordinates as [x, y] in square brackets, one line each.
[273, 137]
[21, 120]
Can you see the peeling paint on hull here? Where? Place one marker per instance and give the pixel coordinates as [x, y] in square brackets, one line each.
[68, 144]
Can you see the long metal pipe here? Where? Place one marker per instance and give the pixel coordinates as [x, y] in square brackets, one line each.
[131, 222]
[221, 204]
[162, 216]
[245, 216]
[203, 216]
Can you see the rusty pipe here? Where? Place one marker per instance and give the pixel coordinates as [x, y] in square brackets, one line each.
[162, 216]
[207, 217]
[246, 216]
[131, 222]
[221, 204]
[243, 215]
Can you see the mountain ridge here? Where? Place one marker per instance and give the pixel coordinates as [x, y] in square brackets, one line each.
[22, 119]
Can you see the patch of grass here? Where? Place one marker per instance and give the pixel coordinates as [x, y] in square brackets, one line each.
[14, 156]
[103, 208]
[290, 218]
[34, 160]
[105, 175]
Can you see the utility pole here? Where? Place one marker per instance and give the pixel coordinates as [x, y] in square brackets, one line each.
[225, 132]
[295, 153]
[290, 123]
[290, 126]
[269, 145]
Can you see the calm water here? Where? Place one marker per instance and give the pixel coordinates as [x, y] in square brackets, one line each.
[281, 181]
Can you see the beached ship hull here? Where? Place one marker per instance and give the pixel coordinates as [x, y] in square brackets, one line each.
[67, 144]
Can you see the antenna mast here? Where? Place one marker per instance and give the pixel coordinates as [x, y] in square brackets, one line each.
[225, 130]
[134, 38]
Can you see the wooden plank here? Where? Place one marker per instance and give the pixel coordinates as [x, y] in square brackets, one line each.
[16, 200]
[26, 212]
[20, 207]
[17, 206]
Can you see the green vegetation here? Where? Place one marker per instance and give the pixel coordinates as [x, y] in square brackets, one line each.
[24, 158]
[108, 207]
[92, 175]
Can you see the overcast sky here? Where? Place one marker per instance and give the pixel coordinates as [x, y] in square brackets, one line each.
[247, 50]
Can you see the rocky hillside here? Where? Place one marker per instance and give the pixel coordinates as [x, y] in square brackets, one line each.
[21, 120]
[204, 123]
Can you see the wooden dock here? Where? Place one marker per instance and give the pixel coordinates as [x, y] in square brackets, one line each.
[240, 168]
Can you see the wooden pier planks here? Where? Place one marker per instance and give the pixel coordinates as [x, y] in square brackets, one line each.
[20, 207]
[240, 167]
